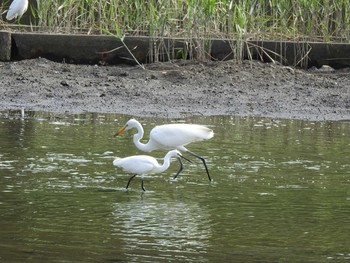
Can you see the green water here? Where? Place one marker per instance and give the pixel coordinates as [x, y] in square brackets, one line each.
[281, 193]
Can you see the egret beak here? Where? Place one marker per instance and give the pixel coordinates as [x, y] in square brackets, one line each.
[181, 156]
[120, 131]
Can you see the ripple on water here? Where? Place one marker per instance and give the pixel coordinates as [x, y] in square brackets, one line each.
[165, 228]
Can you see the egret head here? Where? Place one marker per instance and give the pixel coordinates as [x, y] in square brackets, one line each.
[132, 123]
[174, 153]
[178, 154]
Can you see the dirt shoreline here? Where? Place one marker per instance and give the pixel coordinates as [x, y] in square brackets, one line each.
[178, 89]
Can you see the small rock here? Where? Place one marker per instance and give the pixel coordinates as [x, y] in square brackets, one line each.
[64, 83]
[326, 68]
[124, 74]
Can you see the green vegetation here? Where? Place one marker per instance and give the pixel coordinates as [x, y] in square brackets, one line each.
[198, 21]
[325, 20]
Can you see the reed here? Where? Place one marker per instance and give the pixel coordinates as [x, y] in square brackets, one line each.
[197, 22]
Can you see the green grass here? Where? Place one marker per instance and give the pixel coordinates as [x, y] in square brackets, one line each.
[324, 20]
[199, 21]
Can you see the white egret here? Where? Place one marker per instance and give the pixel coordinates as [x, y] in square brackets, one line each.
[144, 164]
[170, 136]
[17, 9]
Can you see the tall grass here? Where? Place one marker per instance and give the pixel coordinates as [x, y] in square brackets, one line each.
[313, 19]
[197, 22]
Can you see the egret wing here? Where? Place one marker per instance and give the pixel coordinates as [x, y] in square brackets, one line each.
[171, 135]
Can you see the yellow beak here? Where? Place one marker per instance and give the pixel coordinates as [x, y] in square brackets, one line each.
[120, 131]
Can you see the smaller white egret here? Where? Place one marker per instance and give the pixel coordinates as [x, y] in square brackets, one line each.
[17, 9]
[144, 164]
[169, 137]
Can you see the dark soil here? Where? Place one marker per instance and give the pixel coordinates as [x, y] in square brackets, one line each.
[177, 89]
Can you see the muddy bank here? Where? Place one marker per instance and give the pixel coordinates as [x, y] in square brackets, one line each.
[177, 89]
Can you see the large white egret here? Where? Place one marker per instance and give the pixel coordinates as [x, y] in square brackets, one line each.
[17, 9]
[144, 164]
[170, 136]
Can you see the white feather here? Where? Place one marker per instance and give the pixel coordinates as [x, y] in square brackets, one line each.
[17, 9]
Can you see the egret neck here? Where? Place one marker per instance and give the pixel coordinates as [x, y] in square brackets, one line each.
[145, 147]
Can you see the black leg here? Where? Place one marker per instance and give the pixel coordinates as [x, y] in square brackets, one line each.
[132, 177]
[181, 164]
[202, 159]
[142, 185]
[181, 168]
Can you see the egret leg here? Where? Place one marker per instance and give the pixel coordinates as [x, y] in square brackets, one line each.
[132, 177]
[181, 165]
[181, 168]
[142, 185]
[203, 161]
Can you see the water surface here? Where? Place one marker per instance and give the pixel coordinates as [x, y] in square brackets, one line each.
[280, 193]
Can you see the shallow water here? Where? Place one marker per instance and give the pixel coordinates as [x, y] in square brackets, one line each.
[280, 193]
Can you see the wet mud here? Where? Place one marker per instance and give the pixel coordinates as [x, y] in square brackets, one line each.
[177, 89]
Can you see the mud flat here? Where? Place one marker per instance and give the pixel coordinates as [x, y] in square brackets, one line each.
[177, 89]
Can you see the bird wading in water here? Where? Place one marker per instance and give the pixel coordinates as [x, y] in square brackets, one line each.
[169, 137]
[144, 164]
